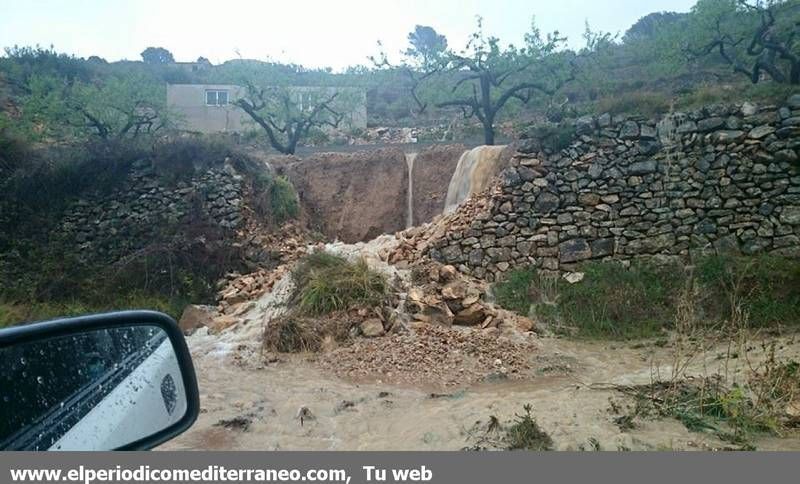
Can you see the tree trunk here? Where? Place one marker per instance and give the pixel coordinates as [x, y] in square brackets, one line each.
[488, 131]
[488, 109]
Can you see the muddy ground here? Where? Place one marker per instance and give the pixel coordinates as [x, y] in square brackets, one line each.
[250, 402]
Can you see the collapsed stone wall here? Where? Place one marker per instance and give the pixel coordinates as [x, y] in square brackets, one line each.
[351, 196]
[723, 177]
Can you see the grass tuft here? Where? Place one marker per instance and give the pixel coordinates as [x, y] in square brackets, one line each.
[326, 283]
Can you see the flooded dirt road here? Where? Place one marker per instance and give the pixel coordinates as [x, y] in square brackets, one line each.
[247, 405]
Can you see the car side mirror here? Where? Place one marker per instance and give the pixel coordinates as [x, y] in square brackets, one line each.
[117, 381]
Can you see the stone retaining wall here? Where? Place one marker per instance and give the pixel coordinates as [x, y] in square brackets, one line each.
[724, 177]
[110, 226]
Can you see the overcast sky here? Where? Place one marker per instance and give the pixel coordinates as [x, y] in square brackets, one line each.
[314, 33]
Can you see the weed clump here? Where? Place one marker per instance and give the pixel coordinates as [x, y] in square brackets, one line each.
[293, 334]
[731, 413]
[525, 433]
[325, 283]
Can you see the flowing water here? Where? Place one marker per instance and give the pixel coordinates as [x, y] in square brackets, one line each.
[410, 157]
[571, 396]
[474, 171]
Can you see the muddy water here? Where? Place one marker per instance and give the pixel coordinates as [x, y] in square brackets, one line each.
[570, 395]
[410, 157]
[474, 170]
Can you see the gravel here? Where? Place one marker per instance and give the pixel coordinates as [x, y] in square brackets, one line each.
[434, 355]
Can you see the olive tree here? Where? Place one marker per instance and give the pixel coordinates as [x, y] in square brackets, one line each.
[287, 114]
[482, 79]
[116, 108]
[757, 38]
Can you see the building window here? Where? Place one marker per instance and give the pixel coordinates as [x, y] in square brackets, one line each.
[216, 98]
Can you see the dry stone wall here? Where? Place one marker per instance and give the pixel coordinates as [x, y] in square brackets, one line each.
[109, 226]
[721, 178]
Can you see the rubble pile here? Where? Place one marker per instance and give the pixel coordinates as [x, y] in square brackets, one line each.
[442, 296]
[415, 242]
[434, 355]
[261, 244]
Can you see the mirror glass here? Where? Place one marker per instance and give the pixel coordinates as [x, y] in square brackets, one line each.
[92, 390]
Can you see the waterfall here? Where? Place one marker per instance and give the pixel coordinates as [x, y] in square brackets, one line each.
[410, 157]
[474, 171]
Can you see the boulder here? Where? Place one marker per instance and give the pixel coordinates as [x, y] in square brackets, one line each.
[546, 202]
[727, 136]
[573, 277]
[749, 109]
[454, 290]
[790, 215]
[447, 273]
[196, 316]
[710, 124]
[221, 323]
[471, 315]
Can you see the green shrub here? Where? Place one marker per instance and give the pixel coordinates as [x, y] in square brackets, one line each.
[326, 283]
[275, 199]
[515, 291]
[763, 92]
[50, 178]
[283, 200]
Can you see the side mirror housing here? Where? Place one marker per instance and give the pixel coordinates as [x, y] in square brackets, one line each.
[116, 381]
